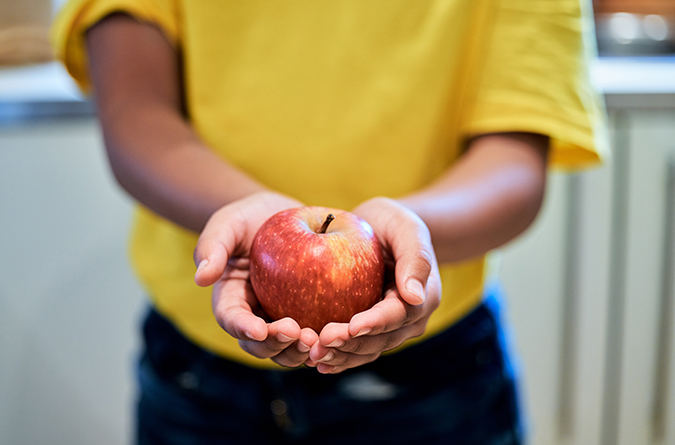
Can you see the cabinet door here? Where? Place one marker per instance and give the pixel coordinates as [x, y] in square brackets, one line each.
[557, 280]
[591, 204]
[532, 272]
[646, 385]
[592, 293]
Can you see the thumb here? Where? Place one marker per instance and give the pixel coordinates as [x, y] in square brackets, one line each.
[414, 257]
[412, 272]
[407, 239]
[211, 259]
[215, 246]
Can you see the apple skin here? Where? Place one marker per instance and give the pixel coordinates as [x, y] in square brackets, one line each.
[316, 278]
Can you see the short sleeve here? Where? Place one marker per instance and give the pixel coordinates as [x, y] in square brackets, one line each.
[77, 16]
[535, 78]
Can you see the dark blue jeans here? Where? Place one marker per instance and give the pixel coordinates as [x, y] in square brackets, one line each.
[455, 388]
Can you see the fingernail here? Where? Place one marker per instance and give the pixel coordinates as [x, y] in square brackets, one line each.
[416, 288]
[337, 343]
[325, 369]
[364, 331]
[202, 264]
[326, 358]
[303, 347]
[283, 338]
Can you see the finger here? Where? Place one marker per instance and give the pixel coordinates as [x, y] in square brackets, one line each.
[282, 334]
[233, 304]
[242, 324]
[335, 362]
[216, 245]
[334, 335]
[371, 344]
[414, 263]
[290, 357]
[414, 256]
[307, 339]
[332, 360]
[407, 238]
[387, 315]
[326, 368]
[298, 353]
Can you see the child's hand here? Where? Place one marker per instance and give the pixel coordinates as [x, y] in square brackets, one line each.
[222, 261]
[412, 292]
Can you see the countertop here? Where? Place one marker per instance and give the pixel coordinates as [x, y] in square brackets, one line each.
[636, 82]
[36, 92]
[46, 90]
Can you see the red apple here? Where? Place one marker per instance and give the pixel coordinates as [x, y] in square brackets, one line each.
[316, 265]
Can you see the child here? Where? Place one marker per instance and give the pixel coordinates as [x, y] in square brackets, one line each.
[434, 120]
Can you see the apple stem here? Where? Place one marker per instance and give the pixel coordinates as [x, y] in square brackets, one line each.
[325, 224]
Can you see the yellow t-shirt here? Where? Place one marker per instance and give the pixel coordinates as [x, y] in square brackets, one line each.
[334, 102]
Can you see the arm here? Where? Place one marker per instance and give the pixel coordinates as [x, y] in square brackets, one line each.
[154, 153]
[490, 196]
[486, 199]
[157, 157]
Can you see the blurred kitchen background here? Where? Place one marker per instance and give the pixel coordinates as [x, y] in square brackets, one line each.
[591, 285]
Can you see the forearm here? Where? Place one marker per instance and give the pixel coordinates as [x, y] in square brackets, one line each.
[154, 152]
[490, 196]
[158, 160]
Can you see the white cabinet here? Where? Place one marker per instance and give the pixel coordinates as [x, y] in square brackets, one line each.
[592, 289]
[69, 305]
[646, 410]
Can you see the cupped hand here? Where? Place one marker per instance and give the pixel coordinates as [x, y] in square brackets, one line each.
[412, 292]
[221, 257]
